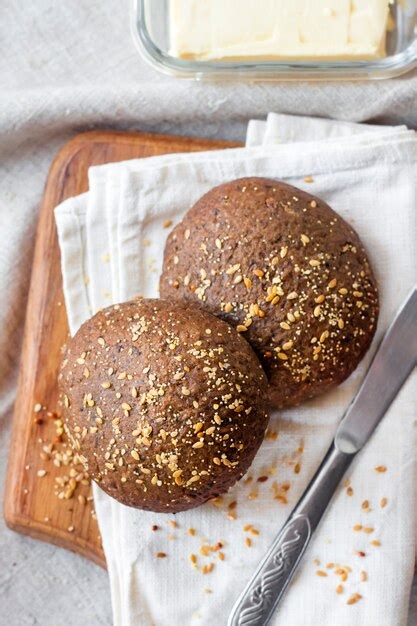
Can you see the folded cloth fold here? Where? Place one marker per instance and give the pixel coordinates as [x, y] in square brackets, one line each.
[112, 242]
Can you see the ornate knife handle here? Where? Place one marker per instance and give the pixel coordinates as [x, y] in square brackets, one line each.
[273, 575]
[261, 596]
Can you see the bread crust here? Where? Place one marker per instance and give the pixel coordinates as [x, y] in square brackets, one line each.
[165, 403]
[287, 271]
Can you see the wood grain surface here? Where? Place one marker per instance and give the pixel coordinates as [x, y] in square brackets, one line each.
[45, 496]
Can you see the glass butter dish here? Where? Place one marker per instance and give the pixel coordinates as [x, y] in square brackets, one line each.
[150, 24]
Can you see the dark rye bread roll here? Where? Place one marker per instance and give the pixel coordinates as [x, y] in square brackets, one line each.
[165, 403]
[285, 270]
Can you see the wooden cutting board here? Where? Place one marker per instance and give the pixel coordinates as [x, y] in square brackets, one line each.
[45, 494]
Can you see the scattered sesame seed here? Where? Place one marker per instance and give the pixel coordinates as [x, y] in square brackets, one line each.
[363, 576]
[354, 598]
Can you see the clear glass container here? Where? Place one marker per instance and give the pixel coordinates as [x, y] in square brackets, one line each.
[150, 30]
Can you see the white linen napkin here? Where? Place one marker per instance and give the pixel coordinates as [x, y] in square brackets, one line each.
[112, 243]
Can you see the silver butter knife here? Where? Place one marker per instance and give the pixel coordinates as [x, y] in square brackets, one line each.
[391, 366]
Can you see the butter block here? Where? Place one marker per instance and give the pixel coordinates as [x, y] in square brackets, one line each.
[278, 29]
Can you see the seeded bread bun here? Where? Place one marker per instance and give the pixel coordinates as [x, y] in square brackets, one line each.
[287, 271]
[165, 403]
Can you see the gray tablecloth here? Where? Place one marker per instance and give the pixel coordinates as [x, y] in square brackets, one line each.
[71, 66]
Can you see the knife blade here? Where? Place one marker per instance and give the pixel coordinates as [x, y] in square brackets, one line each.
[391, 366]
